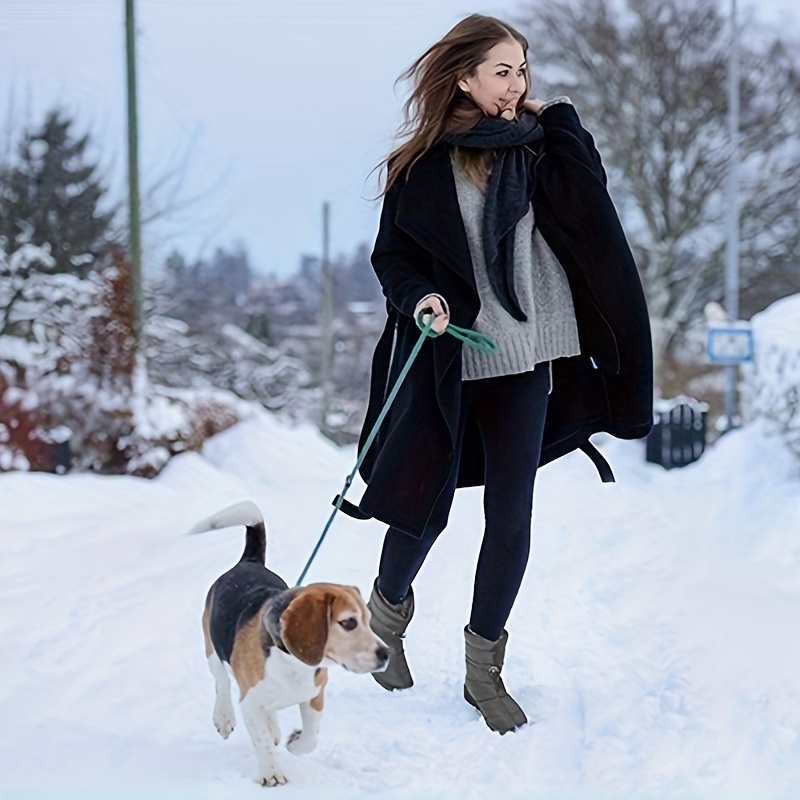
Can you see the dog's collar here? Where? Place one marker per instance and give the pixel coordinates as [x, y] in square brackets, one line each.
[268, 641]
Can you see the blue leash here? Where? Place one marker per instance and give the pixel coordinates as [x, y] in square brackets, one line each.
[474, 339]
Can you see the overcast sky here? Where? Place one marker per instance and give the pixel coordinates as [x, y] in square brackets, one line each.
[262, 108]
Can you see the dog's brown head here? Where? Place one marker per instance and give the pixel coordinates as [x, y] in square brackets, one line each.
[331, 621]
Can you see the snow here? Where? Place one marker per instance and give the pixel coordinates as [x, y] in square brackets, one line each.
[780, 322]
[653, 645]
[772, 387]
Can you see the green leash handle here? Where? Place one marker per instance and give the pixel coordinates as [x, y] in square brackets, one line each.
[474, 339]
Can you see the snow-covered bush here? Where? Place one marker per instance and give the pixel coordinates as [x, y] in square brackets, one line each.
[227, 357]
[165, 422]
[771, 388]
[69, 372]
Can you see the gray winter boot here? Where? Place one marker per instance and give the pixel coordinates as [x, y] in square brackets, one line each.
[389, 622]
[484, 687]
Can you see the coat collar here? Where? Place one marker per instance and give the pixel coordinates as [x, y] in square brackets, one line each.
[428, 210]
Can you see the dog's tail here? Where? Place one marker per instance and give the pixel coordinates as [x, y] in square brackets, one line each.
[245, 513]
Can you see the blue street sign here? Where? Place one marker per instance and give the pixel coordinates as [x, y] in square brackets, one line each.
[730, 343]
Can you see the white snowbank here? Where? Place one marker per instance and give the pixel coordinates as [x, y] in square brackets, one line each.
[654, 643]
[772, 382]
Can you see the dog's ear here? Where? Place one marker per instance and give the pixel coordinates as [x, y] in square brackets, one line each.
[304, 625]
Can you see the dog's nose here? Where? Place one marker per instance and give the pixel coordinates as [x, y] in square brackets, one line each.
[382, 654]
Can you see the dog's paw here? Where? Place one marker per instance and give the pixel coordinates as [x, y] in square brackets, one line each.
[298, 744]
[275, 778]
[224, 722]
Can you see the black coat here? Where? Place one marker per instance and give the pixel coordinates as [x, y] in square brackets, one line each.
[422, 248]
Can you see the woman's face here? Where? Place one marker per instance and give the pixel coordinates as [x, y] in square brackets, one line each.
[498, 81]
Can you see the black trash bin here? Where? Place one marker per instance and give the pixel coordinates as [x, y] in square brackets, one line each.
[678, 437]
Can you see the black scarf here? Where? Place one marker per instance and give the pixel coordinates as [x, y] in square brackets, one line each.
[508, 194]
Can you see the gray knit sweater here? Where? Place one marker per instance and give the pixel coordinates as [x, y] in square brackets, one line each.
[542, 289]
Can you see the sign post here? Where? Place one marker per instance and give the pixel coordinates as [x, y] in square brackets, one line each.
[730, 344]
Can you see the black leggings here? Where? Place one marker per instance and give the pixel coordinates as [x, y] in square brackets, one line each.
[510, 412]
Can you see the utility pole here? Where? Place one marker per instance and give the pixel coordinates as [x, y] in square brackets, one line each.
[134, 215]
[326, 316]
[732, 244]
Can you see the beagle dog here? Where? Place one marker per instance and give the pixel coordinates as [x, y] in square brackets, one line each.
[278, 643]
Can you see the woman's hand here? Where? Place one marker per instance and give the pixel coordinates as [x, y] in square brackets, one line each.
[533, 104]
[433, 304]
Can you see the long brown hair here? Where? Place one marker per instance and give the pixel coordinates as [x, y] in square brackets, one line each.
[436, 106]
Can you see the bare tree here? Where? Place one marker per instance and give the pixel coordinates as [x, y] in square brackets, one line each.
[649, 79]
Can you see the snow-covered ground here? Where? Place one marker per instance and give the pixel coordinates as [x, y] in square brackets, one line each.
[654, 644]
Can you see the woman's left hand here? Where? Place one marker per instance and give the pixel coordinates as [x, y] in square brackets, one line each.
[533, 104]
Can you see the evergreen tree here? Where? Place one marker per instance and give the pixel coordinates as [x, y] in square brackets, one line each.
[51, 196]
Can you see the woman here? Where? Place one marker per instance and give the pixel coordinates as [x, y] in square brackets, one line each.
[495, 217]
